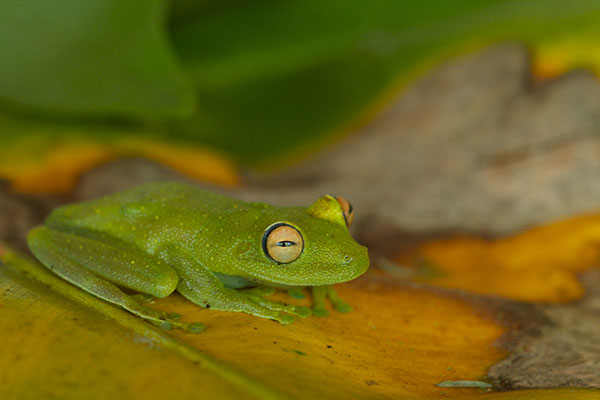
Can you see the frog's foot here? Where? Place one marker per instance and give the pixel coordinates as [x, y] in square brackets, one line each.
[163, 319]
[339, 304]
[142, 298]
[258, 306]
[169, 323]
[166, 315]
[296, 293]
[300, 311]
[320, 293]
[260, 290]
[63, 254]
[256, 295]
[202, 287]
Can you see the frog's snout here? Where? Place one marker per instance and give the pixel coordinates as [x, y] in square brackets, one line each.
[357, 261]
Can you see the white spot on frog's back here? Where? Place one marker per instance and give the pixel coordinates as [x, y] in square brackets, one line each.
[134, 209]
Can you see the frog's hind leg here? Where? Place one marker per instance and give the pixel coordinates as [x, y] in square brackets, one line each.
[97, 266]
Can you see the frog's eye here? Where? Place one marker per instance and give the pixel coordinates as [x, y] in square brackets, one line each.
[346, 209]
[282, 243]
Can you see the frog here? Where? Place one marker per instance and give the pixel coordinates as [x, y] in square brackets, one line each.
[218, 252]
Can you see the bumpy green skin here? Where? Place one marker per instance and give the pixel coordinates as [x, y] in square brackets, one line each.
[161, 237]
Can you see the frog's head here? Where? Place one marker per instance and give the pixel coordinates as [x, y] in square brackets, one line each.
[307, 246]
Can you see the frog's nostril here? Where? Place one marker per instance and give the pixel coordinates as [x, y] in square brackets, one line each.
[347, 259]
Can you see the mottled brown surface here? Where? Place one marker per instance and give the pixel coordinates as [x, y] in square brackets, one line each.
[473, 146]
[19, 213]
[563, 349]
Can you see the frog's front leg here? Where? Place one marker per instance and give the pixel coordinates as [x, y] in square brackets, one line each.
[320, 294]
[199, 285]
[97, 265]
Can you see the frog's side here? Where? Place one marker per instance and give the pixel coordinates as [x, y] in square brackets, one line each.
[161, 237]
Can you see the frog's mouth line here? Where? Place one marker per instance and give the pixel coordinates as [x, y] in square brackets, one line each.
[262, 280]
[239, 282]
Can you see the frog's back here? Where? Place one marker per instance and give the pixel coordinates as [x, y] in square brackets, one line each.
[151, 199]
[157, 192]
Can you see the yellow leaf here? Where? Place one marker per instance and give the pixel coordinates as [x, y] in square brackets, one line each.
[561, 55]
[537, 265]
[401, 341]
[192, 160]
[398, 341]
[40, 164]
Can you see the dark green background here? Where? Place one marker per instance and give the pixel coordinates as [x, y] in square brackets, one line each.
[254, 78]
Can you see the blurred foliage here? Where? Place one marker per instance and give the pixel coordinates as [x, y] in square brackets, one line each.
[91, 58]
[43, 157]
[263, 80]
[275, 75]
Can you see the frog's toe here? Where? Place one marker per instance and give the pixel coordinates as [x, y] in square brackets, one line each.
[174, 316]
[320, 312]
[343, 307]
[195, 327]
[285, 319]
[260, 291]
[303, 311]
[166, 316]
[337, 303]
[166, 325]
[142, 298]
[296, 293]
[168, 321]
[266, 290]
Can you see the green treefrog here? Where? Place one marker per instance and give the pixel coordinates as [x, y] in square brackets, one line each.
[218, 252]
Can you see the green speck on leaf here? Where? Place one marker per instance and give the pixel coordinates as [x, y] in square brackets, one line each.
[464, 384]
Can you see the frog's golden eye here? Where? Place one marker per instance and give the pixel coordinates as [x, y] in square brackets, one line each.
[282, 243]
[346, 209]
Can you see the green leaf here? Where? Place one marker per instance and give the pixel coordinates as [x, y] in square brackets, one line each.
[274, 77]
[93, 57]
